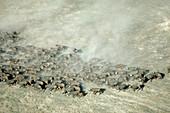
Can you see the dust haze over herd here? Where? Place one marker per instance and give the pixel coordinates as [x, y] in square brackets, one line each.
[99, 28]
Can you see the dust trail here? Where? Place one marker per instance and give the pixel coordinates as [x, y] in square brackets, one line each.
[97, 27]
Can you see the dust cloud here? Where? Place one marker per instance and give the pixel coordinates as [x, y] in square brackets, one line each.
[99, 28]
